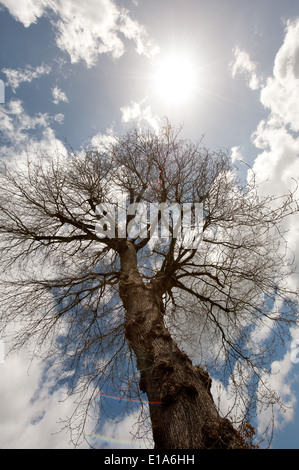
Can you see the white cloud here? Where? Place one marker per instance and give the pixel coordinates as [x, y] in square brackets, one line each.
[281, 93]
[32, 405]
[226, 401]
[58, 95]
[278, 163]
[279, 379]
[245, 66]
[86, 29]
[23, 132]
[133, 30]
[124, 435]
[25, 422]
[15, 107]
[236, 154]
[131, 112]
[25, 11]
[59, 118]
[276, 167]
[279, 160]
[16, 77]
[136, 113]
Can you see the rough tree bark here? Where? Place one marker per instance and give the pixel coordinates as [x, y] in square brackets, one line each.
[187, 417]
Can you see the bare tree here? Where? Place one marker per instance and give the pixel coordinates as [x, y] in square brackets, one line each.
[84, 273]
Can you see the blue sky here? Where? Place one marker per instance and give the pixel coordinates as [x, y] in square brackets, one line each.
[74, 70]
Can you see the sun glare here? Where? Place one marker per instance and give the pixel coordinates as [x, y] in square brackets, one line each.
[175, 79]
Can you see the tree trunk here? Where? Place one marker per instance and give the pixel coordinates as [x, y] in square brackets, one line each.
[182, 410]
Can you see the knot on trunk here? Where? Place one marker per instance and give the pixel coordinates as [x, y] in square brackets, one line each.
[174, 378]
[223, 435]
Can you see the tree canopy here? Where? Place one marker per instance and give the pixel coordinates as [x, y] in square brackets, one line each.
[61, 278]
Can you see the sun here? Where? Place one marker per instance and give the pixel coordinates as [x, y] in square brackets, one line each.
[175, 79]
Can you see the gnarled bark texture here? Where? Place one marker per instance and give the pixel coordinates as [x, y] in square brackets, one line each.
[187, 417]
